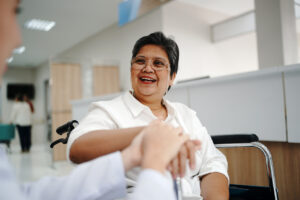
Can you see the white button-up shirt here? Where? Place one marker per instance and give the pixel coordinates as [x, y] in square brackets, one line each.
[21, 114]
[125, 111]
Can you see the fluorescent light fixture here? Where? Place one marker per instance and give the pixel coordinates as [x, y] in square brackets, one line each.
[20, 50]
[9, 60]
[40, 25]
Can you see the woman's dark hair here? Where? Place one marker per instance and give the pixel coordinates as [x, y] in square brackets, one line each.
[159, 39]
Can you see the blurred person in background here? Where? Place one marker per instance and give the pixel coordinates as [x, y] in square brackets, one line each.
[21, 117]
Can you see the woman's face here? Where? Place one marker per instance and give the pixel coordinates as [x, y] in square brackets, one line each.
[150, 73]
[9, 31]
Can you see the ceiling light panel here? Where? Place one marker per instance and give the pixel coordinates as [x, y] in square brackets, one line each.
[40, 25]
[9, 60]
[19, 50]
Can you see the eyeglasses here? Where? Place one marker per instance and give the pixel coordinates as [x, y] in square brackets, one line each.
[157, 64]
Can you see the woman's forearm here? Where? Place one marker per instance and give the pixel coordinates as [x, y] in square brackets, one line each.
[214, 186]
[101, 142]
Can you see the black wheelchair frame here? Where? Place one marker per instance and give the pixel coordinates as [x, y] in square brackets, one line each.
[250, 192]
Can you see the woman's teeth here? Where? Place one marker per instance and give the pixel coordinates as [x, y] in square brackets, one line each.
[147, 79]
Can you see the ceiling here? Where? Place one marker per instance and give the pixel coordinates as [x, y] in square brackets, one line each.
[77, 20]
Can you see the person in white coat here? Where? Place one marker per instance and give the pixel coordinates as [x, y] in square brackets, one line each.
[104, 177]
[21, 117]
[101, 178]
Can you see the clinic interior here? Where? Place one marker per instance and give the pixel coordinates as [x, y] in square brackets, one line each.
[238, 68]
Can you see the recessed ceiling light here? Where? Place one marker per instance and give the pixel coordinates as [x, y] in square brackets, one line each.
[9, 60]
[19, 50]
[40, 25]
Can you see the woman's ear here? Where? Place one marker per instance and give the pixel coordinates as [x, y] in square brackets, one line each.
[173, 76]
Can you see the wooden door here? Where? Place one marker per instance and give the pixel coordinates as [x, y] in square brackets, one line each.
[105, 80]
[65, 86]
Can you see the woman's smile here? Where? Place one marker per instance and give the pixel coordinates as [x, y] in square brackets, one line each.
[147, 79]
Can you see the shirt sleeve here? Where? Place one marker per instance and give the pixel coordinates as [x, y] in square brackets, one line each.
[153, 185]
[102, 178]
[212, 160]
[96, 119]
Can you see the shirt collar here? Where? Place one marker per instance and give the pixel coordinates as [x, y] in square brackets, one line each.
[170, 108]
[136, 107]
[133, 105]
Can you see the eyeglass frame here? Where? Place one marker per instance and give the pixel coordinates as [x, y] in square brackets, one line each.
[137, 66]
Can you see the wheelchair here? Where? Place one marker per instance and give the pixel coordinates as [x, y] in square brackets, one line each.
[237, 192]
[250, 192]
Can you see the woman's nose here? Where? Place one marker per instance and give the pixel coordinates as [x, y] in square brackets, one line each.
[148, 66]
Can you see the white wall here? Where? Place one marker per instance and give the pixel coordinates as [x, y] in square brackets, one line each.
[113, 46]
[190, 26]
[39, 132]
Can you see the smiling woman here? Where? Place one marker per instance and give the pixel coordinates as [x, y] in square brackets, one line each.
[150, 76]
[111, 125]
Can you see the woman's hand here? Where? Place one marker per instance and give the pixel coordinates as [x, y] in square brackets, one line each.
[177, 167]
[154, 147]
[161, 144]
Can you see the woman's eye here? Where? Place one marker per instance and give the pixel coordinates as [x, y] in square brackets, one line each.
[140, 61]
[159, 63]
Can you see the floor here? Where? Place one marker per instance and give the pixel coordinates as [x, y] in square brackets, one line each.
[36, 164]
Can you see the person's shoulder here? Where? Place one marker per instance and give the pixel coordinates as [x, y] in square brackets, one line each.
[186, 115]
[182, 108]
[109, 103]
[18, 104]
[25, 105]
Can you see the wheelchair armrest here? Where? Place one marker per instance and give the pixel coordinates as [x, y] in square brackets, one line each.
[235, 138]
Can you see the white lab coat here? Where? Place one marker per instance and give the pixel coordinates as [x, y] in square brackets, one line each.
[101, 178]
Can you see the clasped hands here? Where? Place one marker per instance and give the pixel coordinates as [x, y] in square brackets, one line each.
[161, 147]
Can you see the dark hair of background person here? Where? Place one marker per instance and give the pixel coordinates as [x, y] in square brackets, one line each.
[159, 39]
[19, 97]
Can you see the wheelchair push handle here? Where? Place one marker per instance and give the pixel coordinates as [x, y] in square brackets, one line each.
[236, 138]
[67, 127]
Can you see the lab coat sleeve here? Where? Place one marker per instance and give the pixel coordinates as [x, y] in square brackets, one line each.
[153, 185]
[9, 186]
[102, 178]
